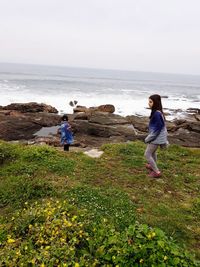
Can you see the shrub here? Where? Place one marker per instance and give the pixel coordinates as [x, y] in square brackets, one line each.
[38, 153]
[17, 190]
[49, 159]
[47, 234]
[54, 233]
[6, 152]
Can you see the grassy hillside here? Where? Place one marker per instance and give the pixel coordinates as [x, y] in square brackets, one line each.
[109, 194]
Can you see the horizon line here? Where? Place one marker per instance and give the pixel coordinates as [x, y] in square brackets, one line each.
[95, 68]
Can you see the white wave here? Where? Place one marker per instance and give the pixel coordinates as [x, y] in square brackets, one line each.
[124, 104]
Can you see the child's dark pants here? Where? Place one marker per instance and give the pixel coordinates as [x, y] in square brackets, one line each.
[66, 147]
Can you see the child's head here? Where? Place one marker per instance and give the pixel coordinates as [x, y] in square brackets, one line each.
[64, 117]
[155, 102]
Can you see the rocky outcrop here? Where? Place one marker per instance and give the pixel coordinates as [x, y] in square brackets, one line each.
[18, 124]
[140, 123]
[108, 108]
[30, 107]
[193, 110]
[185, 132]
[104, 124]
[91, 127]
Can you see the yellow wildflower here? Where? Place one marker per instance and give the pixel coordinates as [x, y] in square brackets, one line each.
[153, 234]
[165, 258]
[11, 240]
[76, 264]
[33, 261]
[74, 218]
[149, 236]
[18, 253]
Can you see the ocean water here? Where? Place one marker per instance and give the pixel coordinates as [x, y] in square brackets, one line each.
[128, 91]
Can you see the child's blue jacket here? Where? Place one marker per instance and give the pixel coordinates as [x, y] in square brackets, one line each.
[66, 134]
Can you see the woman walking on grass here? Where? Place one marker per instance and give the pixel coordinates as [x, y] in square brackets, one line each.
[157, 135]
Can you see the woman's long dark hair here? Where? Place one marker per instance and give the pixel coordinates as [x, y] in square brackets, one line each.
[157, 104]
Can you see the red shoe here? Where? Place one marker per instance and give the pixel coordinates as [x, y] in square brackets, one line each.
[148, 167]
[155, 174]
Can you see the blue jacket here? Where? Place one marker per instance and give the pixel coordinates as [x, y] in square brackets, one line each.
[66, 134]
[157, 130]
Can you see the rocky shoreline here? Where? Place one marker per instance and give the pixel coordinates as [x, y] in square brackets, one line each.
[92, 127]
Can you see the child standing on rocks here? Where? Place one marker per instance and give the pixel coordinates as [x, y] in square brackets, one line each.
[66, 133]
[157, 135]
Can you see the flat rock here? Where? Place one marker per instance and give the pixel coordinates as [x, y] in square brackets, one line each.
[197, 117]
[94, 153]
[31, 107]
[104, 118]
[108, 108]
[140, 123]
[17, 126]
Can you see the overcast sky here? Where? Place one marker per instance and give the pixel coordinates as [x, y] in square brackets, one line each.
[143, 35]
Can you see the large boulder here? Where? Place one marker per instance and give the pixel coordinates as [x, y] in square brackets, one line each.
[31, 107]
[17, 126]
[103, 108]
[140, 123]
[16, 129]
[194, 127]
[197, 117]
[107, 119]
[105, 125]
[80, 116]
[185, 138]
[80, 109]
[193, 110]
[106, 108]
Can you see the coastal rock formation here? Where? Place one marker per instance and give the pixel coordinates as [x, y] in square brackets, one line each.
[30, 107]
[91, 127]
[140, 123]
[24, 120]
[185, 132]
[108, 108]
[105, 125]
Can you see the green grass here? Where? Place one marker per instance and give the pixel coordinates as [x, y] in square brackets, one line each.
[115, 186]
[111, 204]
